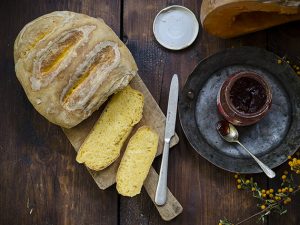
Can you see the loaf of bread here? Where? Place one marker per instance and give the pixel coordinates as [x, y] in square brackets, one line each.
[104, 143]
[69, 64]
[136, 162]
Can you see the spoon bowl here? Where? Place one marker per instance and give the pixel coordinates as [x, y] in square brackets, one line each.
[230, 134]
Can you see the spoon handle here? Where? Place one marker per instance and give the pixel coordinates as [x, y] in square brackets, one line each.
[270, 173]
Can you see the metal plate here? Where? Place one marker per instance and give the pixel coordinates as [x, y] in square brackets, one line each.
[272, 139]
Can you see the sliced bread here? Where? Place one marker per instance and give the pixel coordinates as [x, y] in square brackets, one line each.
[104, 143]
[136, 162]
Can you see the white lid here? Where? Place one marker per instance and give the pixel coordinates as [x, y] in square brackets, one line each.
[175, 27]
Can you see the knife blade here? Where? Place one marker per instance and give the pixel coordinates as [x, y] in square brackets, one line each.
[161, 189]
[172, 108]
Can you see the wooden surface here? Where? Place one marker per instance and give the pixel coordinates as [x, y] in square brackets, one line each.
[40, 182]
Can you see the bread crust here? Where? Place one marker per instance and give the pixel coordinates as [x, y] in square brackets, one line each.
[69, 64]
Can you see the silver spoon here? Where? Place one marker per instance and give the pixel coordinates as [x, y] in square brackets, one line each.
[229, 133]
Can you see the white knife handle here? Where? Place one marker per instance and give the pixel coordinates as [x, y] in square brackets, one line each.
[161, 189]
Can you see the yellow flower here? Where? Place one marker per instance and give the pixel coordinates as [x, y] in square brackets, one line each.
[294, 160]
[291, 189]
[286, 172]
[262, 207]
[287, 200]
[271, 195]
[283, 177]
[239, 181]
[253, 189]
[264, 195]
[279, 190]
[271, 190]
[263, 191]
[279, 61]
[289, 157]
[236, 176]
[239, 186]
[267, 192]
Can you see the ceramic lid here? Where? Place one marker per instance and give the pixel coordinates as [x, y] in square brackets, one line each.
[175, 27]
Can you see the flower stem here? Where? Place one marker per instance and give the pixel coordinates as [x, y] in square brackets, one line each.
[265, 210]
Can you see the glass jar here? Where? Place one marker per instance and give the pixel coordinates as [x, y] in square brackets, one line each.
[244, 98]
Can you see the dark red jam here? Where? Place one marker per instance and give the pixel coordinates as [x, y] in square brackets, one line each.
[223, 127]
[248, 95]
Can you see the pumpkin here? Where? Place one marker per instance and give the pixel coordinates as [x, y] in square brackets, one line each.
[231, 18]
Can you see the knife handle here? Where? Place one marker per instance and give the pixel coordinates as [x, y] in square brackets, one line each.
[161, 189]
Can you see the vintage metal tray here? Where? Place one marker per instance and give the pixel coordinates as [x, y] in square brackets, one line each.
[272, 139]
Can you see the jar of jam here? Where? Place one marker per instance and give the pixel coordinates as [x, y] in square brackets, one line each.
[244, 98]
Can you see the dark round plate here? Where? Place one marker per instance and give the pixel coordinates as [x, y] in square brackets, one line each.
[272, 139]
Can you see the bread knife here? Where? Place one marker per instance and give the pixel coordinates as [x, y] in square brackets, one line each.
[161, 189]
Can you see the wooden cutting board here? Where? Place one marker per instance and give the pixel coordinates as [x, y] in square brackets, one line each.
[153, 117]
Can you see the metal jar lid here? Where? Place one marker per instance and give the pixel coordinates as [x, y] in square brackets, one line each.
[175, 27]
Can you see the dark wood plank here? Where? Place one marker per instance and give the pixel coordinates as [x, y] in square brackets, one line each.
[40, 182]
[205, 192]
[284, 41]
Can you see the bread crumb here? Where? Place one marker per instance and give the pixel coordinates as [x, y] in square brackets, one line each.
[38, 101]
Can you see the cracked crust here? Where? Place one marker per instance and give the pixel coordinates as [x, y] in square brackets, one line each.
[69, 64]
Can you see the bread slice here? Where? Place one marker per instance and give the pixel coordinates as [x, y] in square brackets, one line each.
[104, 143]
[136, 162]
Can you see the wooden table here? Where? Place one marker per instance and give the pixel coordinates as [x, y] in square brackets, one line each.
[40, 182]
